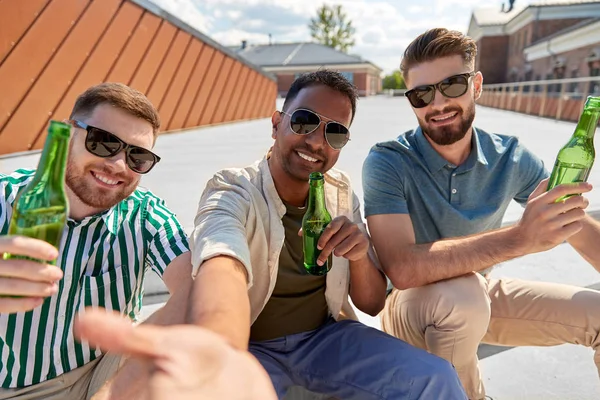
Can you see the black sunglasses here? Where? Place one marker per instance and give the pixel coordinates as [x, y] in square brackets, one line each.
[452, 87]
[304, 122]
[104, 144]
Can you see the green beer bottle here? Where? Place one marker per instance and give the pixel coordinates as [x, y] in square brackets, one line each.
[575, 159]
[40, 210]
[313, 223]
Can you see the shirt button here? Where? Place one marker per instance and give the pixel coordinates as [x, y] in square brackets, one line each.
[454, 174]
[454, 191]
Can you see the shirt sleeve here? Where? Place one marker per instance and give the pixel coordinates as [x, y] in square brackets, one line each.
[220, 223]
[167, 238]
[382, 185]
[531, 172]
[4, 205]
[358, 220]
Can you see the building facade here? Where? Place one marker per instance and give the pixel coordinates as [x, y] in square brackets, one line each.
[52, 50]
[289, 60]
[548, 39]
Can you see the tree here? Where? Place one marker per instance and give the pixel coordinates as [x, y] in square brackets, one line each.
[394, 81]
[332, 28]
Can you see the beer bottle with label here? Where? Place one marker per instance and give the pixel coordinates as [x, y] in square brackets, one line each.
[313, 223]
[40, 210]
[574, 161]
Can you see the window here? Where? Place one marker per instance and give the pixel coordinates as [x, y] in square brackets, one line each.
[574, 86]
[348, 75]
[595, 86]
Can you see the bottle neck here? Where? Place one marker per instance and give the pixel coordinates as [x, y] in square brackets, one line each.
[53, 161]
[316, 195]
[586, 127]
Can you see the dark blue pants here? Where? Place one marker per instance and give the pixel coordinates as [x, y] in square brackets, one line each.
[350, 360]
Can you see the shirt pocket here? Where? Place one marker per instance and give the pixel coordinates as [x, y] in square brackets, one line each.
[111, 290]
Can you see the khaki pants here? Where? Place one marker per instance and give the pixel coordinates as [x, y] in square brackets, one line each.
[450, 318]
[78, 384]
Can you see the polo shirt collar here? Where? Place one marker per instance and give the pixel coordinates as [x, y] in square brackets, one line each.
[435, 162]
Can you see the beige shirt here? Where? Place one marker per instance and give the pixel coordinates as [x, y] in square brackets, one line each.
[240, 216]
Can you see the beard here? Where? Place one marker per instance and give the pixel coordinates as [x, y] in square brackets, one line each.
[449, 134]
[80, 181]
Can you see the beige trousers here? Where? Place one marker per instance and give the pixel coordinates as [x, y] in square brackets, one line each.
[78, 384]
[450, 318]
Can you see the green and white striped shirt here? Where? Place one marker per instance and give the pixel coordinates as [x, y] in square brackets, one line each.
[104, 258]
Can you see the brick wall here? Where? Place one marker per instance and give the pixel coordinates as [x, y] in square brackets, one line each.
[544, 28]
[491, 58]
[515, 70]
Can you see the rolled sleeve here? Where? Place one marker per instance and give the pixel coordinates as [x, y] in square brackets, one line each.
[219, 226]
[382, 186]
[358, 220]
[168, 240]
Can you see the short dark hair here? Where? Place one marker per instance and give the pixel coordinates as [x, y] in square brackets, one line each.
[436, 43]
[329, 78]
[118, 95]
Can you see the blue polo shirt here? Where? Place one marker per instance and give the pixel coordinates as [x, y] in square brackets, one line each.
[407, 176]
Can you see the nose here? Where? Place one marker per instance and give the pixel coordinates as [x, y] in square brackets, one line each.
[439, 100]
[118, 162]
[316, 139]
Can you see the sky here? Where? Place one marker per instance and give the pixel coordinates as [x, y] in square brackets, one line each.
[383, 28]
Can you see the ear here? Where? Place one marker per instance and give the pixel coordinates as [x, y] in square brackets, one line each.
[275, 120]
[478, 85]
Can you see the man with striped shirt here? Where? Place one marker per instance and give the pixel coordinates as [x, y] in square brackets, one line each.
[114, 234]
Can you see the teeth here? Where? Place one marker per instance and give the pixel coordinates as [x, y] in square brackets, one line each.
[105, 180]
[307, 158]
[445, 118]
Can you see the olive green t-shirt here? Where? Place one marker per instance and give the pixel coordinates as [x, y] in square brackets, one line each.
[298, 301]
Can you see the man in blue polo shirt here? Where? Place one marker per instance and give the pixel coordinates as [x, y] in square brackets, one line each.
[434, 201]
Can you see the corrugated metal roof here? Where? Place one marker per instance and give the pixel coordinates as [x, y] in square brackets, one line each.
[291, 54]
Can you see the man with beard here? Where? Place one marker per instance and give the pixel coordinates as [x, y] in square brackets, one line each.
[434, 201]
[251, 285]
[114, 233]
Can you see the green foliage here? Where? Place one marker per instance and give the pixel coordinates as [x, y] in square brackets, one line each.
[394, 81]
[332, 28]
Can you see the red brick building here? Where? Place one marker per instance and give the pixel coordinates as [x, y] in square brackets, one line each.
[289, 60]
[543, 40]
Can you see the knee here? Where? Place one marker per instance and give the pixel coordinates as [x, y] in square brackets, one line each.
[463, 300]
[436, 375]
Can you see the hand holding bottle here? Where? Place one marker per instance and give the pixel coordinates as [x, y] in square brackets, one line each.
[344, 239]
[23, 283]
[547, 223]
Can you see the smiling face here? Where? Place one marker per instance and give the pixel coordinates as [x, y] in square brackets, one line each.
[296, 156]
[445, 120]
[100, 183]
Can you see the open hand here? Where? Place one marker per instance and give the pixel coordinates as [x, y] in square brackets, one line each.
[182, 361]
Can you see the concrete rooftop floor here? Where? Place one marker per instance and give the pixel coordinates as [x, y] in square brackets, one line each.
[189, 159]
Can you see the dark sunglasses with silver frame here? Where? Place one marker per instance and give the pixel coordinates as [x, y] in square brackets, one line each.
[305, 122]
[452, 87]
[104, 144]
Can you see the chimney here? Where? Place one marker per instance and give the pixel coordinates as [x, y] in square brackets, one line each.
[270, 39]
[244, 44]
